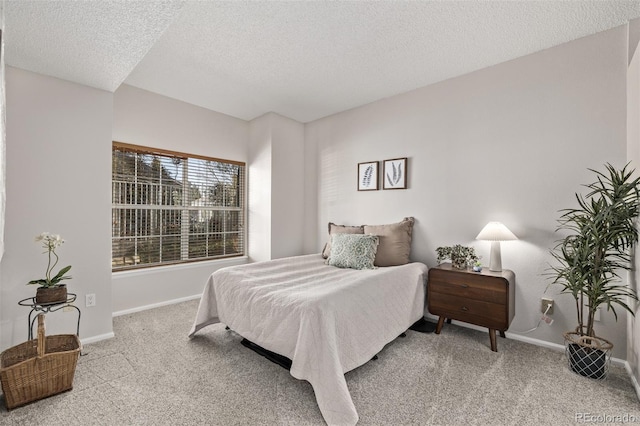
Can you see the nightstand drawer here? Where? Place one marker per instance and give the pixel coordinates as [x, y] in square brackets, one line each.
[486, 314]
[485, 298]
[494, 292]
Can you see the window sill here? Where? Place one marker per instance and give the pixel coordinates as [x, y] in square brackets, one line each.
[217, 263]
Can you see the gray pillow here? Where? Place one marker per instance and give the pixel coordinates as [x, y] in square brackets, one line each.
[353, 251]
[339, 229]
[395, 242]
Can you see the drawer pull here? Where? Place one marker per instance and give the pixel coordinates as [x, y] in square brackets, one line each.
[462, 285]
[464, 308]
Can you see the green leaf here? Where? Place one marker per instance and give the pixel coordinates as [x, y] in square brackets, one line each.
[60, 274]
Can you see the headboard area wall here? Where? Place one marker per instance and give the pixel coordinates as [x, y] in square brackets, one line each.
[509, 143]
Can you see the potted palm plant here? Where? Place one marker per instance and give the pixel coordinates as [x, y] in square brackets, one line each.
[602, 231]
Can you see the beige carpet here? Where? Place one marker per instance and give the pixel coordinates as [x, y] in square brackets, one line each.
[152, 374]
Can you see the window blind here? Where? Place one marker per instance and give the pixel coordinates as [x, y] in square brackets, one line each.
[170, 207]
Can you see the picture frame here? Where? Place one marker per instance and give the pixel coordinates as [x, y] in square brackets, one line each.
[368, 176]
[394, 173]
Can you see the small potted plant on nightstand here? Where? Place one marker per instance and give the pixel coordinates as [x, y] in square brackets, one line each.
[461, 257]
[602, 232]
[51, 290]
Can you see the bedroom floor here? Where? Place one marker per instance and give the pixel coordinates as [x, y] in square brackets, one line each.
[152, 374]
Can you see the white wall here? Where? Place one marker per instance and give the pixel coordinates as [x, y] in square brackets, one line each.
[633, 155]
[510, 143]
[148, 119]
[58, 180]
[260, 188]
[311, 193]
[287, 181]
[276, 188]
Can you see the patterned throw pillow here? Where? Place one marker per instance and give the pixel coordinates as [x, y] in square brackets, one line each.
[339, 229]
[355, 251]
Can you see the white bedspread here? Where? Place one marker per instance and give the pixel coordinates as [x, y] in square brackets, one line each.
[325, 319]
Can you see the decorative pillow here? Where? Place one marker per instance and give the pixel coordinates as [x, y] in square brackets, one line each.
[353, 251]
[395, 242]
[339, 229]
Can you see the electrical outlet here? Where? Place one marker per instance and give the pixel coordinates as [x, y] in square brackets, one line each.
[596, 316]
[546, 303]
[90, 300]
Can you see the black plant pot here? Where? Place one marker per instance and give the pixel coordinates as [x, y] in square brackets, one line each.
[588, 362]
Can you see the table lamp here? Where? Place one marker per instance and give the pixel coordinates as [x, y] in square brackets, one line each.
[495, 232]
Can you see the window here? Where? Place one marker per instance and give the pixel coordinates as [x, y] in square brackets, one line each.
[169, 207]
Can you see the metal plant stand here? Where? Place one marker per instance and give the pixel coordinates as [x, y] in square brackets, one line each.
[45, 308]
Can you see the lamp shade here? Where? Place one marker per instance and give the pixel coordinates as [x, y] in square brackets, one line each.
[496, 231]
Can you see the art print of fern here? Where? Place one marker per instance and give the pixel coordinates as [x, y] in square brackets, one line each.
[396, 176]
[395, 173]
[366, 177]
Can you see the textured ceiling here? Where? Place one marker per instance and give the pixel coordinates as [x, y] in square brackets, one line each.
[96, 43]
[304, 60]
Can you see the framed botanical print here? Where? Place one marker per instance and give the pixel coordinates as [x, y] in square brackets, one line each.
[368, 176]
[394, 175]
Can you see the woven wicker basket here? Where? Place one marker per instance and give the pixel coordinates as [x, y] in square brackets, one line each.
[588, 356]
[38, 368]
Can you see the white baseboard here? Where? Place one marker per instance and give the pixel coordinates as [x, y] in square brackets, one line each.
[97, 338]
[555, 346]
[156, 305]
[94, 339]
[634, 381]
[549, 345]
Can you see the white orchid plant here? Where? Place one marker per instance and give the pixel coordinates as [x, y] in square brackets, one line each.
[50, 242]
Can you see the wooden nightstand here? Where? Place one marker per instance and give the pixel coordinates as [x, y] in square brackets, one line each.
[482, 298]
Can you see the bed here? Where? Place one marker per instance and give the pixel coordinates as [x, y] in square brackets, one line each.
[326, 320]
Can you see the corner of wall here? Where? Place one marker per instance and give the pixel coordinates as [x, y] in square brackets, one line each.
[633, 155]
[259, 189]
[634, 37]
[276, 187]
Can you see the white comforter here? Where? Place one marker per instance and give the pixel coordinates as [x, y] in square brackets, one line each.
[325, 319]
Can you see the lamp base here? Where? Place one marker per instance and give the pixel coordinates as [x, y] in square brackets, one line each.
[495, 263]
